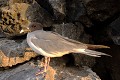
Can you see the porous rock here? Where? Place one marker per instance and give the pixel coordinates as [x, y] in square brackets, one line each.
[18, 16]
[3, 3]
[28, 70]
[14, 19]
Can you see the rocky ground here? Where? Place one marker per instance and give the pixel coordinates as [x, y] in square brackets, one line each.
[57, 71]
[88, 21]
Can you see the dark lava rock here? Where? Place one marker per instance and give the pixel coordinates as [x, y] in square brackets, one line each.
[59, 9]
[1, 33]
[47, 6]
[101, 10]
[76, 32]
[108, 68]
[28, 70]
[75, 11]
[70, 30]
[115, 31]
[85, 20]
[101, 35]
[35, 13]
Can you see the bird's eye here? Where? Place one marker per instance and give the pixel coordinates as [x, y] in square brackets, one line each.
[33, 26]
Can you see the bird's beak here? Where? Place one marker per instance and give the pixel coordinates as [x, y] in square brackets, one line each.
[22, 31]
[25, 30]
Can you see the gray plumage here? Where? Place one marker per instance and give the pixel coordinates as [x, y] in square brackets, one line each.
[51, 44]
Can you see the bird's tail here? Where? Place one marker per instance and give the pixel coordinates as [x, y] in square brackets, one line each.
[90, 46]
[91, 52]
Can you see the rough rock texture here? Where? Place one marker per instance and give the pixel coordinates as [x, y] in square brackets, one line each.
[3, 3]
[88, 21]
[1, 33]
[110, 66]
[76, 32]
[35, 13]
[101, 10]
[28, 70]
[115, 31]
[20, 1]
[18, 16]
[75, 9]
[12, 53]
[72, 31]
[59, 9]
[14, 19]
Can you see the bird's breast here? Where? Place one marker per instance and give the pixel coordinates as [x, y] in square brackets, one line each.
[36, 49]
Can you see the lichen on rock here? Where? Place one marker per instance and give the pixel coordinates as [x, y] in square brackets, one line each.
[14, 19]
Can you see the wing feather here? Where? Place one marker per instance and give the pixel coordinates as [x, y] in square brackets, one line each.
[53, 47]
[58, 45]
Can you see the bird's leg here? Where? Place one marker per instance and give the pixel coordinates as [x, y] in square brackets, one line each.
[45, 65]
[47, 60]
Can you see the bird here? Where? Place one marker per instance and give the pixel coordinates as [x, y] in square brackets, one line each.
[51, 44]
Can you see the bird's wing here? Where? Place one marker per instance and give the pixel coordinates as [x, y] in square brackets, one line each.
[57, 37]
[54, 47]
[58, 45]
[66, 38]
[89, 46]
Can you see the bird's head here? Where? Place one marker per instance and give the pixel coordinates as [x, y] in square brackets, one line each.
[33, 26]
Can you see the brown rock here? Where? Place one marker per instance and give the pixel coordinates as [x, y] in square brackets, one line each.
[14, 19]
[20, 1]
[3, 3]
[13, 53]
[28, 70]
[18, 16]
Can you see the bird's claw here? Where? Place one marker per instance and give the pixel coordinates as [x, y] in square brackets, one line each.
[42, 72]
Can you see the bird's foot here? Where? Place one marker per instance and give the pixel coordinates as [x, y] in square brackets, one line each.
[44, 67]
[41, 72]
